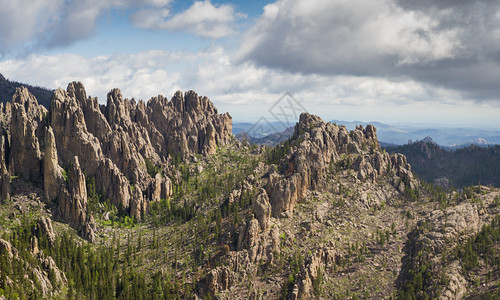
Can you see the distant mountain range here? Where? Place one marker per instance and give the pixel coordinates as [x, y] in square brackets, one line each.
[263, 132]
[389, 135]
[449, 167]
[8, 88]
[269, 140]
[452, 137]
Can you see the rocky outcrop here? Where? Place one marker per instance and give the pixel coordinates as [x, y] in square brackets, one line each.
[48, 277]
[89, 229]
[258, 244]
[189, 123]
[6, 249]
[70, 130]
[113, 184]
[117, 144]
[4, 158]
[50, 266]
[220, 279]
[52, 173]
[44, 228]
[317, 146]
[73, 197]
[323, 261]
[441, 231]
[26, 129]
[262, 209]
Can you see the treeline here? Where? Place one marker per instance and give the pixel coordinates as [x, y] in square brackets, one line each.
[8, 88]
[472, 165]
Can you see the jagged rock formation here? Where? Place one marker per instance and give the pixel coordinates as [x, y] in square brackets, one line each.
[26, 129]
[119, 145]
[44, 228]
[73, 196]
[249, 224]
[317, 146]
[323, 260]
[6, 249]
[45, 276]
[317, 151]
[4, 158]
[89, 229]
[52, 172]
[262, 210]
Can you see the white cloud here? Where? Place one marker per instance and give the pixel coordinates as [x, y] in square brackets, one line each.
[336, 36]
[444, 44]
[211, 72]
[27, 25]
[140, 75]
[203, 19]
[246, 90]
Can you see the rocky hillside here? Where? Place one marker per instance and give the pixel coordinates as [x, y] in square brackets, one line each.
[125, 148]
[170, 205]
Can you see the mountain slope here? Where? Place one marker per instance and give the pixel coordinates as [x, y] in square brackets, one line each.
[157, 200]
[471, 165]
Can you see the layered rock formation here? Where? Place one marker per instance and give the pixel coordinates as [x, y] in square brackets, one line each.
[124, 145]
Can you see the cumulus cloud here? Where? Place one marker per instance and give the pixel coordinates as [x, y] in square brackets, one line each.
[202, 19]
[453, 44]
[212, 72]
[27, 25]
[246, 90]
[140, 75]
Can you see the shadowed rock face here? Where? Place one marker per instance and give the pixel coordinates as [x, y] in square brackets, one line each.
[26, 130]
[112, 143]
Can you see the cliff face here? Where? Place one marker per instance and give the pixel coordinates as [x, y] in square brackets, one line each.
[114, 144]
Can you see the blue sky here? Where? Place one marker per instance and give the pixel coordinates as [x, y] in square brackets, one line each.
[395, 61]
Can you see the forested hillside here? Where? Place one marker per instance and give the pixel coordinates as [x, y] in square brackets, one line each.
[8, 88]
[158, 200]
[462, 167]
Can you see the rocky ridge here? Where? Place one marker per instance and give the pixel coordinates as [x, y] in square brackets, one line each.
[128, 148]
[317, 149]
